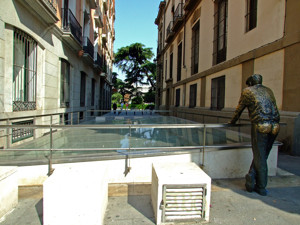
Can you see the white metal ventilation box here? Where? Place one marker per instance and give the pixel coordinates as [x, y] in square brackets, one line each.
[180, 193]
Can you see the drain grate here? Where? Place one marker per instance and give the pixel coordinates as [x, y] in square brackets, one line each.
[183, 203]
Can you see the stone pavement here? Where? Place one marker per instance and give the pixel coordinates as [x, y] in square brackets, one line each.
[230, 203]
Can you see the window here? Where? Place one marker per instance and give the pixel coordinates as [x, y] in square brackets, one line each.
[171, 65]
[179, 62]
[217, 93]
[177, 103]
[19, 134]
[82, 89]
[251, 14]
[220, 31]
[65, 84]
[193, 95]
[24, 72]
[195, 47]
[93, 92]
[166, 69]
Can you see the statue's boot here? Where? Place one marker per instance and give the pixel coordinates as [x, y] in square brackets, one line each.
[250, 182]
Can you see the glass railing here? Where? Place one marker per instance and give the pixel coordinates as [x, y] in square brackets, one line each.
[118, 135]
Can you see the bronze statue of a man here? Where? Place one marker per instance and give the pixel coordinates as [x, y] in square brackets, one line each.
[264, 117]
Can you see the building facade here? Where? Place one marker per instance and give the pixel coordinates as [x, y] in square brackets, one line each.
[208, 48]
[56, 58]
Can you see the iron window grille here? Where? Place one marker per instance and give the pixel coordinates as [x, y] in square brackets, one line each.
[251, 15]
[195, 47]
[24, 71]
[19, 134]
[65, 84]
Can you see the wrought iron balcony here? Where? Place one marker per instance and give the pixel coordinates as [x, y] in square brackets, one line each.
[178, 15]
[88, 47]
[71, 25]
[170, 32]
[46, 9]
[99, 61]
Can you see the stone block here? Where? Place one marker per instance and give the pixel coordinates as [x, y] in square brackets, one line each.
[8, 189]
[75, 196]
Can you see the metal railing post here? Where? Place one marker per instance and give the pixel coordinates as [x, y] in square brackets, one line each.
[127, 159]
[7, 144]
[204, 143]
[71, 118]
[50, 169]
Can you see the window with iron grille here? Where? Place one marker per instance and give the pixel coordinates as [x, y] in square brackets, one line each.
[179, 62]
[251, 14]
[24, 71]
[195, 47]
[177, 103]
[93, 92]
[193, 95]
[220, 31]
[19, 134]
[171, 65]
[82, 89]
[218, 93]
[65, 84]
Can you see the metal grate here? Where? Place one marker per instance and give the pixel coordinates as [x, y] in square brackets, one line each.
[19, 134]
[183, 203]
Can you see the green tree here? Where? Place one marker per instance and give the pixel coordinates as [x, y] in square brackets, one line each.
[116, 97]
[135, 61]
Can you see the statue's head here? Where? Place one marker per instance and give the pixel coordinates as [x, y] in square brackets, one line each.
[254, 79]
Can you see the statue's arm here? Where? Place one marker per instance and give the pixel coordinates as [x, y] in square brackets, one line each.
[239, 109]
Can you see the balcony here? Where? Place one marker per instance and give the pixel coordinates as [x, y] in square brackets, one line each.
[98, 16]
[72, 33]
[178, 17]
[189, 4]
[45, 9]
[98, 63]
[170, 32]
[105, 6]
[88, 48]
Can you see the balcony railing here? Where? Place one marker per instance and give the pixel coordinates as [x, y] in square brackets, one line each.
[52, 4]
[178, 12]
[99, 61]
[88, 47]
[70, 24]
[169, 29]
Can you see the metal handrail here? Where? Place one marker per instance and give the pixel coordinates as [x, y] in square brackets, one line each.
[129, 150]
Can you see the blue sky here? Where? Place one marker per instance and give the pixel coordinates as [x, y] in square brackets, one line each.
[135, 23]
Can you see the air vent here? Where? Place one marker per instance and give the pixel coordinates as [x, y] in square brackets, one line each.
[183, 203]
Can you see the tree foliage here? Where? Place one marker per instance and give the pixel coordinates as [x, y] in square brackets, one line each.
[135, 61]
